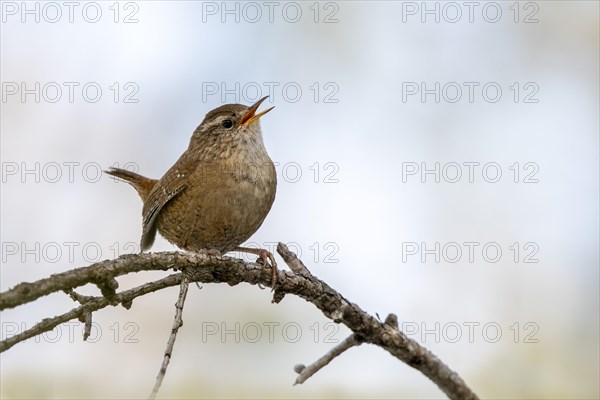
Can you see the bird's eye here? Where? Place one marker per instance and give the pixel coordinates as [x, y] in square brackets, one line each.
[227, 123]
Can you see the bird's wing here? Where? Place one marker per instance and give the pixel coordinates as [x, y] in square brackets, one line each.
[157, 200]
[172, 184]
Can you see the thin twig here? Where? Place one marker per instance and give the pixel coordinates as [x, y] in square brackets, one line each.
[87, 324]
[292, 261]
[306, 372]
[177, 323]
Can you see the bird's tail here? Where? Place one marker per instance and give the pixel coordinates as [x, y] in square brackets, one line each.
[140, 183]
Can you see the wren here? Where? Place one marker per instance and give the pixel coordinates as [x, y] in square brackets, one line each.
[218, 193]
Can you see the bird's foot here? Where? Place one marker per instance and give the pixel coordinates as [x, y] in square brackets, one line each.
[213, 252]
[265, 258]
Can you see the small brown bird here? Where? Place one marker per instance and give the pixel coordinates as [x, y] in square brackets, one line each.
[219, 191]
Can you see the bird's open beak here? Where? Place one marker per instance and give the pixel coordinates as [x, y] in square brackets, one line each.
[250, 114]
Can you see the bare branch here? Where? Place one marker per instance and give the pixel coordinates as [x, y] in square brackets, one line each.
[101, 273]
[205, 268]
[92, 304]
[177, 323]
[306, 372]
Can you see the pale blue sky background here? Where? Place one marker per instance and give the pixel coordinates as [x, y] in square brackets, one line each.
[360, 219]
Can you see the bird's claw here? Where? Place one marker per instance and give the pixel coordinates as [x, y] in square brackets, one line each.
[265, 258]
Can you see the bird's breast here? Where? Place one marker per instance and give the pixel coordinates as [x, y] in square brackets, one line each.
[224, 203]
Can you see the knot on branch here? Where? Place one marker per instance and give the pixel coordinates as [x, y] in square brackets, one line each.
[392, 321]
[108, 285]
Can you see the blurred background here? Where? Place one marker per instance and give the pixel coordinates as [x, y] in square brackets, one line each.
[435, 160]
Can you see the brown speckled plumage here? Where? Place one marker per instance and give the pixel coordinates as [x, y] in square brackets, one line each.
[219, 191]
